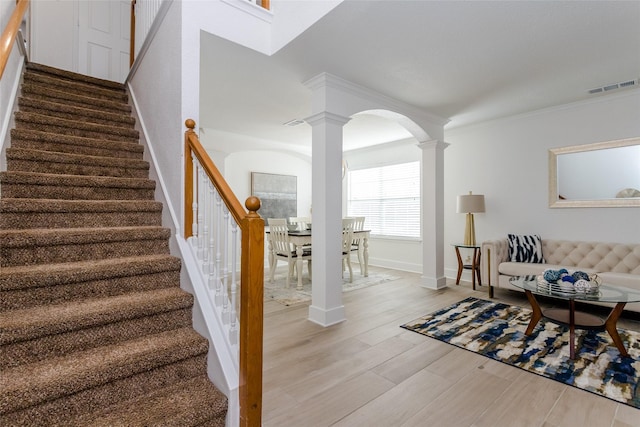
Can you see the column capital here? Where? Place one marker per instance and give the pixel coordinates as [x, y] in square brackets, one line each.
[326, 116]
[433, 144]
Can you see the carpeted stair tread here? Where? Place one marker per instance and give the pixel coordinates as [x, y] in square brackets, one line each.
[8, 205]
[43, 92]
[17, 184]
[33, 285]
[55, 378]
[45, 141]
[70, 112]
[58, 345]
[81, 88]
[60, 412]
[35, 121]
[74, 164]
[35, 67]
[24, 213]
[39, 246]
[35, 322]
[193, 402]
[32, 276]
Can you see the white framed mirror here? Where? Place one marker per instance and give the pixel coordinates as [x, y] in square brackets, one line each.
[603, 174]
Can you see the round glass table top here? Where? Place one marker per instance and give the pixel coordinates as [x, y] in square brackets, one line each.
[604, 293]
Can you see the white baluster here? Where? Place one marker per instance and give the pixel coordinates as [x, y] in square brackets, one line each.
[206, 208]
[201, 191]
[194, 205]
[225, 268]
[233, 331]
[210, 273]
[218, 250]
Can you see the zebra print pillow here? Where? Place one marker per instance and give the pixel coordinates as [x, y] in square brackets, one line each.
[525, 248]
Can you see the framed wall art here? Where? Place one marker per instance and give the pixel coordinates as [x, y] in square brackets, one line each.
[278, 194]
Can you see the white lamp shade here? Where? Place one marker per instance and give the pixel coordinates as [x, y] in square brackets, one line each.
[470, 203]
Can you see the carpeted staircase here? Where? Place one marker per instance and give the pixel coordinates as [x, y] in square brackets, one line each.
[94, 328]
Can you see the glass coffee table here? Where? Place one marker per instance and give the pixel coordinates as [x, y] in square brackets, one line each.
[570, 316]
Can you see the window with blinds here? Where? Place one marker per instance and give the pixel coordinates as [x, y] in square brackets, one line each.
[389, 198]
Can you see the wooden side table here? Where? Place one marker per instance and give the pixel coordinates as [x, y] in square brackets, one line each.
[474, 266]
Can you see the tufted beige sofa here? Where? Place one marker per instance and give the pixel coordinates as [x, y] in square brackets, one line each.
[616, 263]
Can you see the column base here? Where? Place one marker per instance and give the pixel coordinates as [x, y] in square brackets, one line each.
[433, 282]
[327, 317]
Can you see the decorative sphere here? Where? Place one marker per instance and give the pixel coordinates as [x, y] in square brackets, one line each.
[551, 276]
[582, 285]
[568, 279]
[580, 275]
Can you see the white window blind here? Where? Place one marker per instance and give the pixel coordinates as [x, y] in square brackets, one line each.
[389, 198]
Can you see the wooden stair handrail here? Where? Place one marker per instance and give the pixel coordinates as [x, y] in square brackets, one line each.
[10, 32]
[251, 275]
[132, 34]
[192, 145]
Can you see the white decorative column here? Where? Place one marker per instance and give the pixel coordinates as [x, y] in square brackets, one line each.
[432, 199]
[326, 290]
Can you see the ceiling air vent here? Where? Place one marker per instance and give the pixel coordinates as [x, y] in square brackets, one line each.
[614, 86]
[294, 122]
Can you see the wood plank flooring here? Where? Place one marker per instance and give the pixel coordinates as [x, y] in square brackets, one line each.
[367, 371]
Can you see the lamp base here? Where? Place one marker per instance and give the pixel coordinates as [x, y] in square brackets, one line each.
[470, 231]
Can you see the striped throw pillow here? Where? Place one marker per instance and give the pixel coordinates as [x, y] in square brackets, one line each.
[525, 248]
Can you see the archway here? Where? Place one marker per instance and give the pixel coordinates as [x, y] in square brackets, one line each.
[334, 102]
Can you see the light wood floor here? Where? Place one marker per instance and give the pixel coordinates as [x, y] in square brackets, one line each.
[367, 371]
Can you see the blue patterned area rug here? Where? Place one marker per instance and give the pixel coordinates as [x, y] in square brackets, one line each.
[496, 330]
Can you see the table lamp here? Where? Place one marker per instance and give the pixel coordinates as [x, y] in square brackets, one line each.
[470, 204]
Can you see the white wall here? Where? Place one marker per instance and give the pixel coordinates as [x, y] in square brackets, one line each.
[156, 88]
[506, 160]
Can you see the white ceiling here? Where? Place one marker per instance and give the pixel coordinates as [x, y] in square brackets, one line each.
[469, 61]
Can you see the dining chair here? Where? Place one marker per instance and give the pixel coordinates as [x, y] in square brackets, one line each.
[356, 244]
[282, 249]
[347, 241]
[303, 222]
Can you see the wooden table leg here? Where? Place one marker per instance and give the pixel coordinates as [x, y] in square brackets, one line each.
[477, 267]
[460, 265]
[610, 326]
[572, 329]
[536, 315]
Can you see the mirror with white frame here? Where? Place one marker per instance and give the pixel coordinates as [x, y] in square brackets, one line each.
[603, 174]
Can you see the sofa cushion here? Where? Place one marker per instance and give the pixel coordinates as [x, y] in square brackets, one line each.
[525, 248]
[526, 268]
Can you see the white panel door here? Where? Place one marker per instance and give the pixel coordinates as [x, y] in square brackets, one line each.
[103, 38]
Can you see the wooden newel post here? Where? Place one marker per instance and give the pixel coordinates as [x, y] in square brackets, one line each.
[188, 179]
[251, 315]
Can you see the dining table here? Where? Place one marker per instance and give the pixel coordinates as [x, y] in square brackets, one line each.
[302, 238]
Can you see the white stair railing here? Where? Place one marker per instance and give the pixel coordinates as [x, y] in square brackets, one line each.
[215, 244]
[227, 243]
